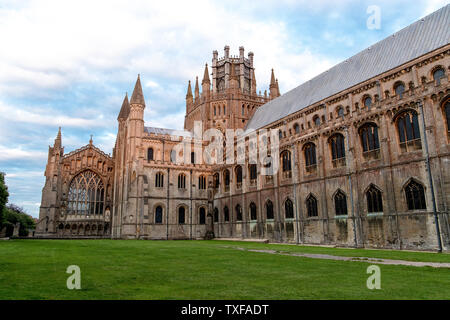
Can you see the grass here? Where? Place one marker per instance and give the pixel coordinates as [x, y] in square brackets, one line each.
[133, 269]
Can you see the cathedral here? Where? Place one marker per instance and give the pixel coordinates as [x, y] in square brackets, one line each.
[358, 156]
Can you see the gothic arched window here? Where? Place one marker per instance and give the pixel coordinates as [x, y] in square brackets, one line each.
[269, 209]
[311, 206]
[408, 130]
[340, 203]
[438, 74]
[158, 214]
[288, 209]
[226, 214]
[415, 196]
[181, 181]
[337, 146]
[181, 215]
[316, 120]
[374, 200]
[150, 154]
[216, 215]
[238, 213]
[86, 194]
[369, 137]
[340, 112]
[286, 160]
[296, 128]
[310, 154]
[202, 216]
[253, 215]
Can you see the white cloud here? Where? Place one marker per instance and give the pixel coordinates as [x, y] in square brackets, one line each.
[46, 118]
[17, 153]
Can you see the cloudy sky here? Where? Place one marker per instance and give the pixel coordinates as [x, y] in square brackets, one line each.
[69, 63]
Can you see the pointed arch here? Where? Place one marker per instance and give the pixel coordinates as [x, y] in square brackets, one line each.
[415, 195]
[311, 206]
[374, 199]
[340, 203]
[288, 209]
[269, 210]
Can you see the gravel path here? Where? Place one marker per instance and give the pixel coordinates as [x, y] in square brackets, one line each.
[358, 259]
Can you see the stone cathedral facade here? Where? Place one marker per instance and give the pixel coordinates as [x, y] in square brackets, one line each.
[363, 152]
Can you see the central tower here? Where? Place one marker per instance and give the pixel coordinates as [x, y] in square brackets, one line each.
[230, 99]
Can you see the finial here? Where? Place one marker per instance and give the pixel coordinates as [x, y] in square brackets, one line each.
[90, 141]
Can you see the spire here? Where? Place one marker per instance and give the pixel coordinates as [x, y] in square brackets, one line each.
[58, 139]
[197, 91]
[206, 76]
[278, 88]
[272, 80]
[273, 88]
[138, 96]
[125, 110]
[91, 141]
[189, 91]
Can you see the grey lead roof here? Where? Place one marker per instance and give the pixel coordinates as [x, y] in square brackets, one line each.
[170, 132]
[417, 39]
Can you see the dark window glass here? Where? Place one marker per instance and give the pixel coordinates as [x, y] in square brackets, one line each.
[239, 174]
[340, 203]
[269, 209]
[181, 215]
[340, 112]
[226, 214]
[253, 215]
[369, 137]
[158, 214]
[438, 75]
[192, 157]
[202, 182]
[297, 128]
[226, 176]
[374, 200]
[311, 206]
[216, 180]
[181, 181]
[216, 215]
[415, 196]
[202, 216]
[408, 126]
[159, 180]
[286, 161]
[288, 209]
[368, 102]
[253, 172]
[238, 213]
[337, 146]
[150, 154]
[399, 89]
[310, 154]
[316, 121]
[280, 134]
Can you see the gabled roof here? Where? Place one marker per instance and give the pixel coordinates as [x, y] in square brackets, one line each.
[419, 38]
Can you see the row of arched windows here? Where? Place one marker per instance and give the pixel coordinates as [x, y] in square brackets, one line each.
[399, 88]
[414, 195]
[159, 181]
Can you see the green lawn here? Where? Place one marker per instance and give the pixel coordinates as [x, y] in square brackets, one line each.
[133, 269]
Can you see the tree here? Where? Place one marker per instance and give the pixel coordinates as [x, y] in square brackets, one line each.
[3, 198]
[14, 214]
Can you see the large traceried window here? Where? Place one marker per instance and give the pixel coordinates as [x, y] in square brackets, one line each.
[408, 131]
[415, 196]
[86, 194]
